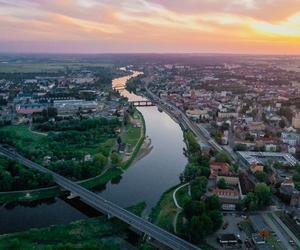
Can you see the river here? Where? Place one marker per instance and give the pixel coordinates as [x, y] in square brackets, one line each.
[146, 180]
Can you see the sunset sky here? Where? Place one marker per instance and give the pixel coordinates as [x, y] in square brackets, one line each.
[104, 26]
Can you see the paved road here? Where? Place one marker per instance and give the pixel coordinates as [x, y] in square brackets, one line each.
[107, 207]
[280, 235]
[285, 229]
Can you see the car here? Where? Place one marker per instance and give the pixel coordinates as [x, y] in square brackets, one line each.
[292, 242]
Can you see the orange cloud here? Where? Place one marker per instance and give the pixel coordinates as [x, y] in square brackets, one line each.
[162, 26]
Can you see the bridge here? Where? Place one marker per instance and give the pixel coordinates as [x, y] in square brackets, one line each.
[107, 207]
[145, 103]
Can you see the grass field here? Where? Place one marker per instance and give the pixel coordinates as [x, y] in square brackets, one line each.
[132, 134]
[94, 233]
[165, 211]
[46, 67]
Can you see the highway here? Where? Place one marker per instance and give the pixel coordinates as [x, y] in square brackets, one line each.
[105, 206]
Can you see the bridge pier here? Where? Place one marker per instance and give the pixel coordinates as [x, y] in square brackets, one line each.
[72, 196]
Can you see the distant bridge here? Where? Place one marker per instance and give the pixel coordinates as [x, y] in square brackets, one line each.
[145, 103]
[96, 201]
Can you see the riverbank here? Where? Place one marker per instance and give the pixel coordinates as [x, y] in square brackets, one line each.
[94, 233]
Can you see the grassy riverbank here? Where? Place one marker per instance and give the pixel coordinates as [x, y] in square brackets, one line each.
[95, 233]
[164, 212]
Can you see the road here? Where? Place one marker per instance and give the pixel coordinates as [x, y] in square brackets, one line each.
[105, 206]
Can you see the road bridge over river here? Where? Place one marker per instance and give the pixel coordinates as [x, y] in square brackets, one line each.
[107, 207]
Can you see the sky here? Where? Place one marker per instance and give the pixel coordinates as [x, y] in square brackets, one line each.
[147, 26]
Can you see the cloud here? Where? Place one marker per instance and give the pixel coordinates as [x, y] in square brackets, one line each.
[149, 24]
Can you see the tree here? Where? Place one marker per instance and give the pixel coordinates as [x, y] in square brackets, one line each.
[221, 183]
[198, 187]
[192, 143]
[200, 226]
[192, 208]
[263, 194]
[119, 140]
[115, 158]
[223, 157]
[216, 218]
[250, 201]
[213, 203]
[261, 176]
[6, 181]
[100, 160]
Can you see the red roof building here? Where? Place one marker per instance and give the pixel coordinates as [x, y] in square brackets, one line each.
[219, 168]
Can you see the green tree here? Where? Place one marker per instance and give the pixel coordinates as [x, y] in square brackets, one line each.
[213, 203]
[223, 157]
[115, 158]
[200, 226]
[222, 183]
[100, 160]
[193, 207]
[250, 201]
[216, 218]
[193, 146]
[198, 187]
[261, 176]
[263, 194]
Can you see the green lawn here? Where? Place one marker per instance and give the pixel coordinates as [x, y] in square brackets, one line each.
[132, 134]
[182, 196]
[94, 233]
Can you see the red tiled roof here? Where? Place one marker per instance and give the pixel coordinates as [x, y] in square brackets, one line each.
[219, 168]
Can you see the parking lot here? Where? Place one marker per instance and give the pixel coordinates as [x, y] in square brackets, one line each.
[230, 226]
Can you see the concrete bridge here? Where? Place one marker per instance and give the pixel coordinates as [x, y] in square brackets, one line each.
[145, 103]
[112, 210]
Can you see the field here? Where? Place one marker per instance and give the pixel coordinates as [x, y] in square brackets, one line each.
[132, 134]
[94, 233]
[165, 211]
[47, 67]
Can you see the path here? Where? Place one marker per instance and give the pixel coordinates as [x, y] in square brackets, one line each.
[174, 195]
[179, 208]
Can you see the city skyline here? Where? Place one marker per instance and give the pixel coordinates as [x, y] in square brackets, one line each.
[146, 26]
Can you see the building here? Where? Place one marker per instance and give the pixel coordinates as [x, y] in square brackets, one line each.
[219, 168]
[249, 157]
[290, 138]
[65, 107]
[197, 113]
[296, 121]
[229, 197]
[256, 167]
[227, 115]
[28, 109]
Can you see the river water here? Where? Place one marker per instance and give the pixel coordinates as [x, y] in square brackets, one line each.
[146, 180]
